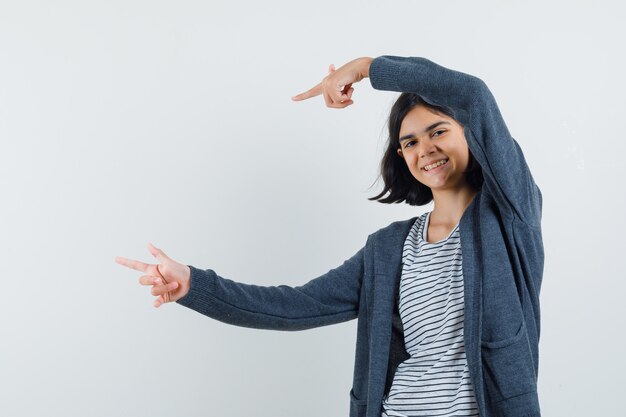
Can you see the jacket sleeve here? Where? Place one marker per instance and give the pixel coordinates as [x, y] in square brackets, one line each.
[328, 299]
[504, 167]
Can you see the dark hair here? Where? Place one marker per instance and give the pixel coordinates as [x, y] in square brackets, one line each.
[399, 182]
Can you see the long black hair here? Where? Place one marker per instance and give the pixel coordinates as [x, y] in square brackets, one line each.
[399, 182]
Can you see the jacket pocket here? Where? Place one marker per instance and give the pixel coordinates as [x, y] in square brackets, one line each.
[508, 368]
[358, 407]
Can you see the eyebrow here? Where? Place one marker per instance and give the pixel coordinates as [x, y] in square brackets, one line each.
[428, 129]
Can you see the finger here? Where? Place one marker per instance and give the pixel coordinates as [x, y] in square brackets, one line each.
[331, 68]
[315, 91]
[349, 93]
[338, 102]
[330, 94]
[345, 96]
[328, 100]
[342, 104]
[150, 280]
[157, 253]
[336, 94]
[161, 300]
[164, 289]
[133, 264]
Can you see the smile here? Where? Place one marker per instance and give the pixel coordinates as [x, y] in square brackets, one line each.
[436, 165]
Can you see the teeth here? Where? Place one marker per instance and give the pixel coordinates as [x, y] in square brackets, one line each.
[435, 165]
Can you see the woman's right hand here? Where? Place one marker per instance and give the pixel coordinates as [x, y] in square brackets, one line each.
[169, 279]
[336, 87]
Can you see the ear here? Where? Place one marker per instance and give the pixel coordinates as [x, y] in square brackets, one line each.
[400, 153]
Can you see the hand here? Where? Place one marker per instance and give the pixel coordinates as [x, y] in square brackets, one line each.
[337, 85]
[170, 280]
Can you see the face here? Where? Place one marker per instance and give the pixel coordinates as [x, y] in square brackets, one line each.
[434, 148]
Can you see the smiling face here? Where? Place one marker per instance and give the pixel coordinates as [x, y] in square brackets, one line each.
[434, 148]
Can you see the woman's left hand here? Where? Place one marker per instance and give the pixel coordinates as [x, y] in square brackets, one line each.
[337, 85]
[170, 280]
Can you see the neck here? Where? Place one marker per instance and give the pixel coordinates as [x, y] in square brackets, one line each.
[451, 204]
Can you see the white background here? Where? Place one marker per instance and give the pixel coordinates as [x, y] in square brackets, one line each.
[127, 122]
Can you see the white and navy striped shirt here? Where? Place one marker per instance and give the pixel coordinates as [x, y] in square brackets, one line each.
[435, 380]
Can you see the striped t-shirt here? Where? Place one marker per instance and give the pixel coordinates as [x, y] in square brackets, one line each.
[435, 380]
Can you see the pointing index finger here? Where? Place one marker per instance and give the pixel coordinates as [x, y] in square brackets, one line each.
[315, 91]
[133, 264]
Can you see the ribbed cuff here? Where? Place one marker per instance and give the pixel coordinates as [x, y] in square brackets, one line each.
[384, 75]
[201, 290]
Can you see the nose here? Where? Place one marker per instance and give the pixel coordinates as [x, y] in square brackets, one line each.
[426, 148]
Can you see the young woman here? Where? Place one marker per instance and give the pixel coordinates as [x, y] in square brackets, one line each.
[447, 302]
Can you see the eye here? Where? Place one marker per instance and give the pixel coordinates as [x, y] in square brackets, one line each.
[410, 143]
[439, 132]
